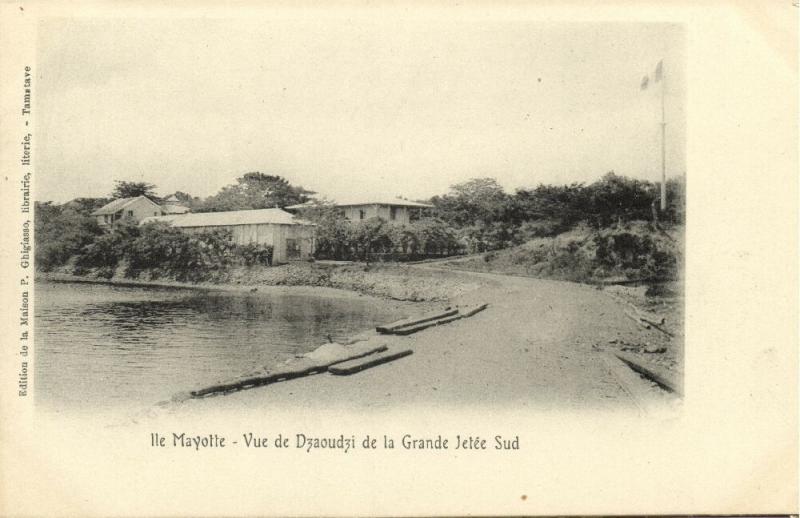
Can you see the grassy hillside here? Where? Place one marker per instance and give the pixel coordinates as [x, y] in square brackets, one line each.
[630, 251]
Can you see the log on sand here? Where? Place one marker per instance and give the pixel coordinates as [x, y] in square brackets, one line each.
[471, 310]
[407, 330]
[282, 375]
[353, 366]
[651, 371]
[408, 326]
[389, 328]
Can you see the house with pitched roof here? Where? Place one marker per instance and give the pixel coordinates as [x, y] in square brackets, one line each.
[391, 209]
[291, 238]
[127, 209]
[172, 205]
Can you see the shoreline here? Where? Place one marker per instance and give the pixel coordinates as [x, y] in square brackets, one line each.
[388, 281]
[230, 287]
[543, 343]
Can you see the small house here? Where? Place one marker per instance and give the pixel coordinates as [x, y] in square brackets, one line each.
[292, 239]
[127, 209]
[174, 208]
[173, 205]
[393, 210]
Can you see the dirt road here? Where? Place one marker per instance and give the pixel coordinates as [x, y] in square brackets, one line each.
[539, 345]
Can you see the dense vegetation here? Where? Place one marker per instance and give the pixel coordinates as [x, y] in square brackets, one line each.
[67, 237]
[255, 191]
[475, 216]
[479, 216]
[490, 219]
[375, 239]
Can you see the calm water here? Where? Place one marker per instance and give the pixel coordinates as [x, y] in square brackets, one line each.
[99, 346]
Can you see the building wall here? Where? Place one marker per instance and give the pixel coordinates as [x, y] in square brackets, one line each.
[278, 236]
[401, 214]
[135, 211]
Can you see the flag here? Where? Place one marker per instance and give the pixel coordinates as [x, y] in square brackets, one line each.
[659, 71]
[645, 82]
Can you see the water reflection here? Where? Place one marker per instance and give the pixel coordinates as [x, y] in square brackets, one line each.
[101, 345]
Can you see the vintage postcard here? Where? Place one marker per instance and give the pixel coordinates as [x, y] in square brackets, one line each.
[402, 258]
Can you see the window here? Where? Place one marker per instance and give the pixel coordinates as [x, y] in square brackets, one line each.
[155, 214]
[361, 214]
[105, 218]
[292, 249]
[130, 213]
[392, 213]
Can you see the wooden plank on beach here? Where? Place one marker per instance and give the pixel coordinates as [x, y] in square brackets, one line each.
[285, 374]
[379, 349]
[257, 381]
[654, 372]
[389, 328]
[471, 310]
[407, 330]
[353, 366]
[412, 325]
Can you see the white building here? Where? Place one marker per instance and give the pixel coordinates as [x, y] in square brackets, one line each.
[291, 238]
[127, 209]
[393, 210]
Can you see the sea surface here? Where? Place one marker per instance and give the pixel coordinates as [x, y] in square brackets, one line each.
[101, 346]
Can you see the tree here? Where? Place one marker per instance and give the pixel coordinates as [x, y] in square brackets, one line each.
[616, 198]
[85, 206]
[124, 189]
[60, 233]
[370, 236]
[333, 232]
[560, 205]
[256, 191]
[676, 200]
[186, 199]
[435, 237]
[479, 199]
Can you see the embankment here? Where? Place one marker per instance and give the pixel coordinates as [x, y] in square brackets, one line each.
[621, 253]
[397, 282]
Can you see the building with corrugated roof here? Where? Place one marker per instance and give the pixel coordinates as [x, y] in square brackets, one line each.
[291, 238]
[393, 210]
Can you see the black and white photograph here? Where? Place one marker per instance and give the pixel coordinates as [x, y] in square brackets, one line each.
[362, 237]
[489, 216]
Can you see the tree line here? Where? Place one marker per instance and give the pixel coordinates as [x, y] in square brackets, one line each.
[474, 216]
[479, 216]
[252, 190]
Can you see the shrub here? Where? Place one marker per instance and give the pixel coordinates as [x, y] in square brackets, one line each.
[109, 248]
[637, 256]
[338, 238]
[254, 254]
[105, 272]
[541, 228]
[165, 250]
[60, 234]
[572, 263]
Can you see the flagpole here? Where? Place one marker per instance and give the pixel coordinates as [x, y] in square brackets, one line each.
[663, 144]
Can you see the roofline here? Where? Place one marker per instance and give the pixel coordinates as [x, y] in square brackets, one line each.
[121, 207]
[334, 204]
[240, 224]
[409, 204]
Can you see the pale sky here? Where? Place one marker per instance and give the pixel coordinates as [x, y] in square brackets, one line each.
[393, 106]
